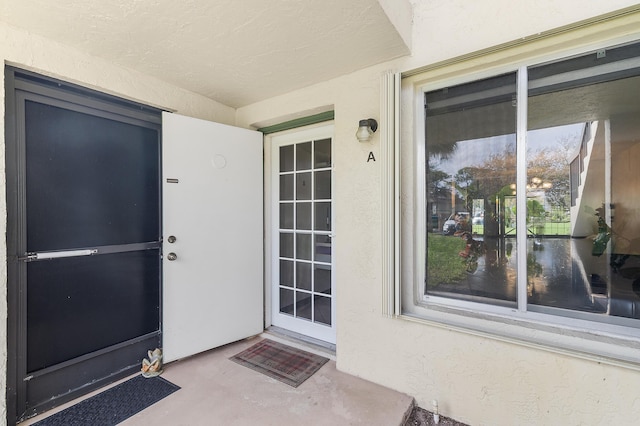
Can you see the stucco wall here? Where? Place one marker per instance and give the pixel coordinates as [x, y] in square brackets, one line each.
[476, 379]
[34, 53]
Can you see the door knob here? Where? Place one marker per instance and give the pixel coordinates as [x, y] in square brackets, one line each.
[171, 239]
[172, 256]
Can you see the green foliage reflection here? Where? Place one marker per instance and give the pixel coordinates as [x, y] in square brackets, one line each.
[444, 265]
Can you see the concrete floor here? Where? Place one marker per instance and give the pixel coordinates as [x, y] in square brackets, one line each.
[217, 391]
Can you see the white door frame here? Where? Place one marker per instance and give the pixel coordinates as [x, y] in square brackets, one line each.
[271, 213]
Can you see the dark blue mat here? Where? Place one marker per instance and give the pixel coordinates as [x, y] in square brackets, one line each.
[114, 405]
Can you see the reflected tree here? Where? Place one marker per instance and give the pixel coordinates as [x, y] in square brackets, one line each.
[464, 180]
[491, 181]
[552, 166]
[437, 182]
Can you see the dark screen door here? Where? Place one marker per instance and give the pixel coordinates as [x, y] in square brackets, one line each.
[89, 245]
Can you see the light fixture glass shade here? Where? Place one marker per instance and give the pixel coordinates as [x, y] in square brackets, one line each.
[364, 132]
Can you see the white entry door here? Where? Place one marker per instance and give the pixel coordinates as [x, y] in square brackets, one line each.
[303, 297]
[213, 235]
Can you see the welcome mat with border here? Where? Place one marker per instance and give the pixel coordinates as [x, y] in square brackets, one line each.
[281, 362]
[114, 405]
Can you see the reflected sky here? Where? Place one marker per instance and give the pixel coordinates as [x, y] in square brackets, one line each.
[476, 152]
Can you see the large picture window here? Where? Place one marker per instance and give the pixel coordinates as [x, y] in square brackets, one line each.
[532, 189]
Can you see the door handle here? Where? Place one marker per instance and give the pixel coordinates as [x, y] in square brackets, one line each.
[172, 256]
[48, 255]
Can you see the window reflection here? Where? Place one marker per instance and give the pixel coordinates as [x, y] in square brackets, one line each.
[584, 139]
[550, 248]
[581, 192]
[471, 167]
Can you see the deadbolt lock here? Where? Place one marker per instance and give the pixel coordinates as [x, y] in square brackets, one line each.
[171, 239]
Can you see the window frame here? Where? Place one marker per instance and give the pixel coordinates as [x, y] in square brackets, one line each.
[578, 335]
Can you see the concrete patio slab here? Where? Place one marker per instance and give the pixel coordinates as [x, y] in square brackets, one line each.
[217, 391]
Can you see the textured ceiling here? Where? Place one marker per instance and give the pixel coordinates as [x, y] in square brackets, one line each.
[234, 51]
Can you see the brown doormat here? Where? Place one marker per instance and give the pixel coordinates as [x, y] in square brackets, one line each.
[281, 362]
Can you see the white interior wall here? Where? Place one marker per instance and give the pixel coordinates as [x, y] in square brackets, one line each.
[627, 209]
[476, 379]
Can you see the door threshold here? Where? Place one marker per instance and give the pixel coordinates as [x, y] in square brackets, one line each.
[300, 341]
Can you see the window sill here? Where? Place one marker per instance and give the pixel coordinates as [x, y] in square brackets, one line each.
[622, 350]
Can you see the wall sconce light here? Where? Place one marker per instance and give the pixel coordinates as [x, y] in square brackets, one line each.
[366, 128]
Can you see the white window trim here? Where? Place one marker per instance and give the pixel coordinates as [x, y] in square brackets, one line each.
[390, 168]
[602, 342]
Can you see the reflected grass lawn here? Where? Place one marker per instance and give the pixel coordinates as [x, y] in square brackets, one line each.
[547, 229]
[444, 266]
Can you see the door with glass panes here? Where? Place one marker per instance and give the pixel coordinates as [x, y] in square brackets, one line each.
[302, 291]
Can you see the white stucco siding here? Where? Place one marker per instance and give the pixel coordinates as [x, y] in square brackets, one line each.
[483, 381]
[445, 29]
[477, 379]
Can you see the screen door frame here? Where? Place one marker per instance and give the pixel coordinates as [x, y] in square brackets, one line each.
[107, 367]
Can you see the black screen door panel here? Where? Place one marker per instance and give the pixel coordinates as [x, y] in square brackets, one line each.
[91, 247]
[91, 181]
[80, 305]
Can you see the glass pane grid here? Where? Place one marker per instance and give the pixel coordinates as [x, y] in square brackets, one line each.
[304, 300]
